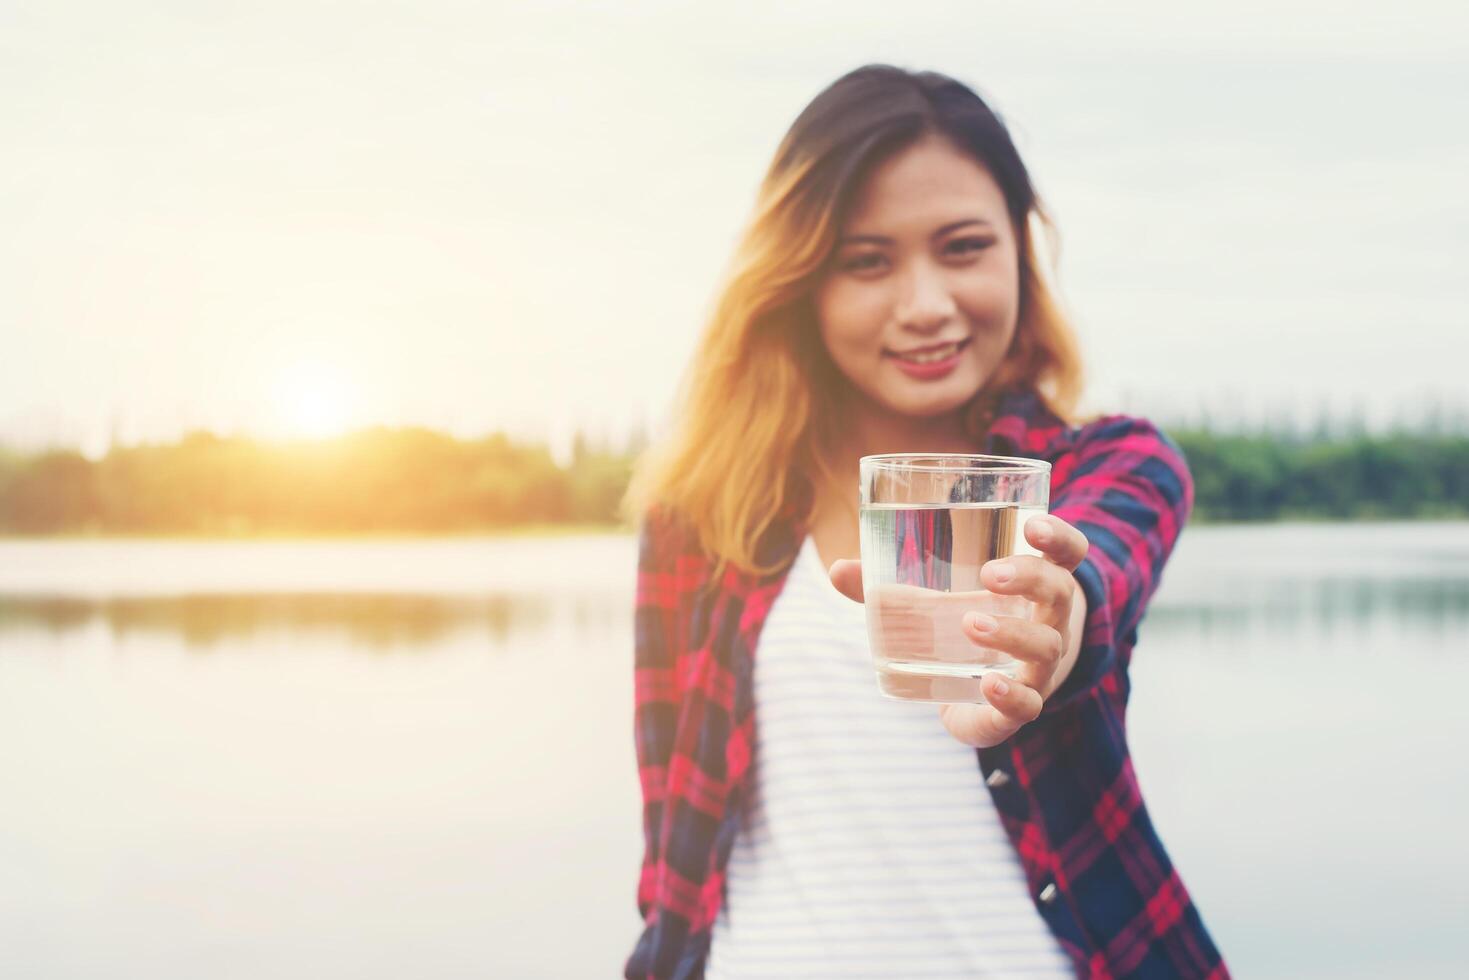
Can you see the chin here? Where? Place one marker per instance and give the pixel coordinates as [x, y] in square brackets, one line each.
[933, 406]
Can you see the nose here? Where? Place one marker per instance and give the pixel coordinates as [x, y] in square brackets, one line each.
[926, 304]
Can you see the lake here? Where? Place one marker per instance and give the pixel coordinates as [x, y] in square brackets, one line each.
[387, 759]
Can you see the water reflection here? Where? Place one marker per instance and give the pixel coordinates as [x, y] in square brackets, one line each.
[379, 622]
[373, 622]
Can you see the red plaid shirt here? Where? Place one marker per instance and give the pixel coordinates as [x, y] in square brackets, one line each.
[1063, 785]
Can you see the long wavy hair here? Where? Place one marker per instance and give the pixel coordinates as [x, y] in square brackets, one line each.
[760, 404]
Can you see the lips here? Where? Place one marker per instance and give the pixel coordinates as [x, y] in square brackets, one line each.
[931, 364]
[929, 353]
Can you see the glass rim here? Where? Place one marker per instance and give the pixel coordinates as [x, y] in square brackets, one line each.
[988, 463]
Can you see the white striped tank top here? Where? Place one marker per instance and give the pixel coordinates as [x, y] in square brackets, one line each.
[869, 845]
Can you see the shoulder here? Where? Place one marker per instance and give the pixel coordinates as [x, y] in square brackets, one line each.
[663, 537]
[1114, 443]
[1026, 425]
[1129, 434]
[669, 542]
[660, 531]
[671, 562]
[1125, 453]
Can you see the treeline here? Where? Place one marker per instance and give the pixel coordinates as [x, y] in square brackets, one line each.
[1275, 476]
[409, 480]
[419, 481]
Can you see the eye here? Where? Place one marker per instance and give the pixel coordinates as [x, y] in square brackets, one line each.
[864, 262]
[967, 246]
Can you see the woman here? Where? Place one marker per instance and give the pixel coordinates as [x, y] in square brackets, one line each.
[888, 297]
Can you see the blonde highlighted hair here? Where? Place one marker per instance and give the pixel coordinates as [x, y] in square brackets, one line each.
[760, 405]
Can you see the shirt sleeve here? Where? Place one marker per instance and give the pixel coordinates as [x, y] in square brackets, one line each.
[655, 691]
[1130, 492]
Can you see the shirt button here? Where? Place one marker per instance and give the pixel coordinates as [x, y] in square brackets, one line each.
[996, 779]
[1048, 893]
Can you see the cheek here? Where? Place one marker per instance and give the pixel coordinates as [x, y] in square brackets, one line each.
[851, 318]
[991, 297]
[992, 306]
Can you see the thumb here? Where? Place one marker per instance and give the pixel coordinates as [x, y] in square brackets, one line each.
[846, 575]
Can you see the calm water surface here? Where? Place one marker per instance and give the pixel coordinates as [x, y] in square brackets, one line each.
[390, 759]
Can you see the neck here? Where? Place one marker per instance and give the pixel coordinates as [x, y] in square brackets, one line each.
[870, 431]
[873, 434]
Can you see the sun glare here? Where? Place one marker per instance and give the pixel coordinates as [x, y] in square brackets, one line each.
[313, 400]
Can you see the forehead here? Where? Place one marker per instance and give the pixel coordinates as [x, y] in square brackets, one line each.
[929, 182]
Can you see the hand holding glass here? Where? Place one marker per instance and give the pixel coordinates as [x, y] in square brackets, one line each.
[929, 524]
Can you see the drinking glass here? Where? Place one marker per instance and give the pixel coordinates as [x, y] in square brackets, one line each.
[929, 523]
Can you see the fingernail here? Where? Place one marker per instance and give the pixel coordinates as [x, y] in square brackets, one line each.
[1002, 573]
[1001, 688]
[983, 623]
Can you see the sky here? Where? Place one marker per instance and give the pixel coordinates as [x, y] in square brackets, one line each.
[298, 218]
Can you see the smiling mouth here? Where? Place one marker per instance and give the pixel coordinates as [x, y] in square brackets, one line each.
[930, 355]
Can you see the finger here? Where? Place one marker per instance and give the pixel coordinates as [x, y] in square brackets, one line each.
[846, 575]
[1011, 705]
[1037, 646]
[1032, 642]
[1056, 540]
[1037, 579]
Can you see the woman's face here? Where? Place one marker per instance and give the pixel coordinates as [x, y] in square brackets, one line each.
[921, 300]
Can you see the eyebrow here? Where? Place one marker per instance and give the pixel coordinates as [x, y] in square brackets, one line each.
[884, 240]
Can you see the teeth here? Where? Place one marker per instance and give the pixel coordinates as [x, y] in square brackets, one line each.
[928, 357]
